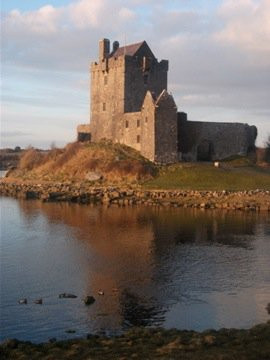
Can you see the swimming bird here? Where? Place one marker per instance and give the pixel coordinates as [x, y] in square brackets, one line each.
[67, 296]
[38, 301]
[22, 301]
[89, 300]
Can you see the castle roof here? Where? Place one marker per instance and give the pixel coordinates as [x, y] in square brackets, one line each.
[128, 49]
[134, 49]
[165, 96]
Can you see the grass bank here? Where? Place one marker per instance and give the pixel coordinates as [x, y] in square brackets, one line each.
[106, 164]
[225, 344]
[231, 175]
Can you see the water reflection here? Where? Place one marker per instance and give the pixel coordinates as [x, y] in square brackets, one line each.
[137, 312]
[169, 267]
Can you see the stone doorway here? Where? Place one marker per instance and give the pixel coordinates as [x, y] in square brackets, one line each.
[205, 151]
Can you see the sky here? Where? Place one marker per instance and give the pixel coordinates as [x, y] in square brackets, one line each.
[218, 52]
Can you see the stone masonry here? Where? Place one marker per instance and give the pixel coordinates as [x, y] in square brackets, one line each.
[130, 104]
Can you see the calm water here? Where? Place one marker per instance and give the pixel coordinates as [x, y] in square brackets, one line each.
[157, 267]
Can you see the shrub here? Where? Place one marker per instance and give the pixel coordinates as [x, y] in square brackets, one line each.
[70, 151]
[30, 159]
[91, 164]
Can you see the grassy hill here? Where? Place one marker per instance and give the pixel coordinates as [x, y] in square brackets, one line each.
[103, 163]
[106, 163]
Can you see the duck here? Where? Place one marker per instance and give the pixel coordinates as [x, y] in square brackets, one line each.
[22, 301]
[38, 301]
[67, 296]
[100, 292]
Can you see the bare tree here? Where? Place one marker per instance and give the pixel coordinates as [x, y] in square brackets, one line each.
[267, 150]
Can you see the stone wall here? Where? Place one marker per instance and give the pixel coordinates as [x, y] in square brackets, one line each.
[83, 132]
[253, 200]
[107, 97]
[214, 141]
[165, 129]
[148, 127]
[118, 89]
[130, 133]
[138, 128]
[138, 82]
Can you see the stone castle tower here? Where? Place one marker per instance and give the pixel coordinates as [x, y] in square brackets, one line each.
[130, 105]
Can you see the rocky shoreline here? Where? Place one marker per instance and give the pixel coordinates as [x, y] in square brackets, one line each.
[143, 343]
[85, 193]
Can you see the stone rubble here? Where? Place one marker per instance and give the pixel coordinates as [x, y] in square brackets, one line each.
[83, 193]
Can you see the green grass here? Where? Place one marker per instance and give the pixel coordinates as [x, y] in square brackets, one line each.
[203, 176]
[239, 161]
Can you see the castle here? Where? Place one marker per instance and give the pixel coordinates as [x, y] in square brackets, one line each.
[130, 104]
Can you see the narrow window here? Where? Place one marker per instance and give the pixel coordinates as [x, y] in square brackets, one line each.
[126, 124]
[138, 123]
[138, 139]
[145, 79]
[105, 80]
[104, 106]
[146, 119]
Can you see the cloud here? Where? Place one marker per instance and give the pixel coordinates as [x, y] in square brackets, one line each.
[42, 21]
[14, 133]
[126, 14]
[63, 38]
[175, 22]
[219, 59]
[247, 25]
[86, 13]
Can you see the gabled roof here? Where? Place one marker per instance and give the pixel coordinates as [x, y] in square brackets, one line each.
[131, 50]
[128, 49]
[165, 96]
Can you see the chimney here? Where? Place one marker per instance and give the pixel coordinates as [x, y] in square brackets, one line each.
[104, 49]
[115, 46]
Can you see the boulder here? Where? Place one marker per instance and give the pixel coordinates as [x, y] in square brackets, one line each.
[93, 176]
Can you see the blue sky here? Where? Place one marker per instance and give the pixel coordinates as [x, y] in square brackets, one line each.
[26, 5]
[219, 54]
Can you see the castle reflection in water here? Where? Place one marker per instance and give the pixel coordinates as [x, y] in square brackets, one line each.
[150, 260]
